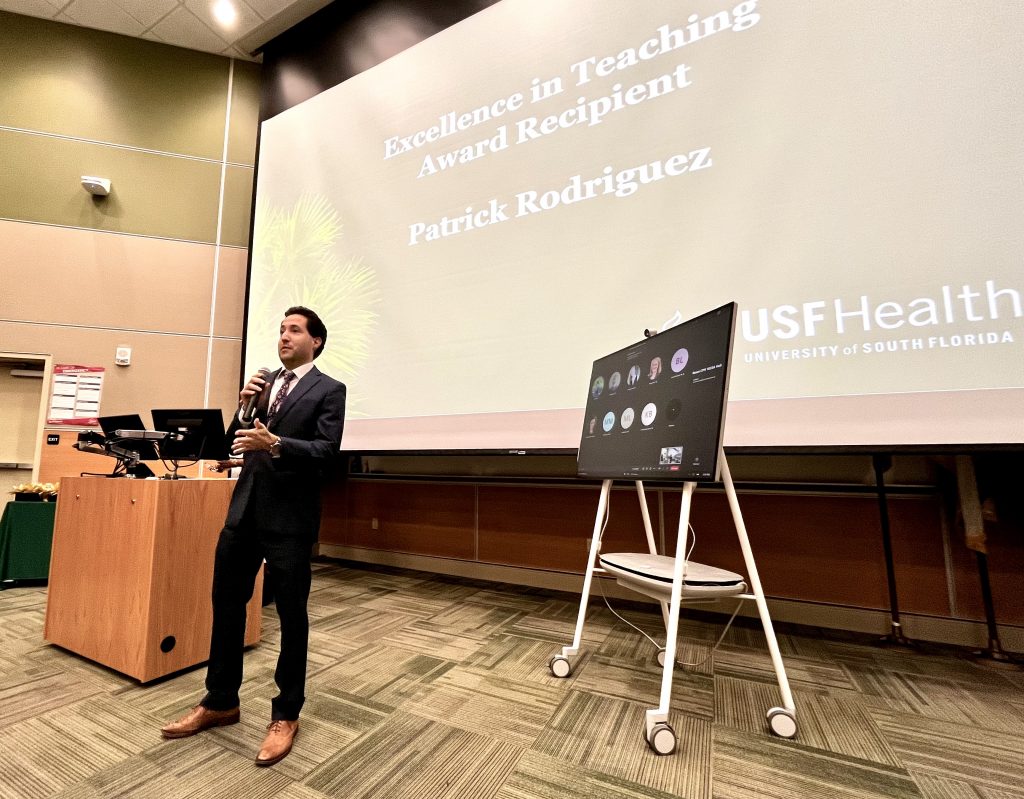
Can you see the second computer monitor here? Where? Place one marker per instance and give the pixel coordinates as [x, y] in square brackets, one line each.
[129, 421]
[202, 430]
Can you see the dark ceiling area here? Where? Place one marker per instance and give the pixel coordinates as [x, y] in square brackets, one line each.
[346, 38]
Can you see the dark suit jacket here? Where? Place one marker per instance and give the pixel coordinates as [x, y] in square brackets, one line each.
[282, 495]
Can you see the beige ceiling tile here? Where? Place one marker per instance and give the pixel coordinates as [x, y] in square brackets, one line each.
[185, 23]
[270, 8]
[183, 28]
[151, 37]
[106, 15]
[234, 51]
[247, 18]
[147, 11]
[31, 8]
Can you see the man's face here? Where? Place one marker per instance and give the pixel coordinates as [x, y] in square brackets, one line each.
[295, 346]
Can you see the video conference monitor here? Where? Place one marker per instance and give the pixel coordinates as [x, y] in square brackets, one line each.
[656, 409]
[203, 430]
[128, 421]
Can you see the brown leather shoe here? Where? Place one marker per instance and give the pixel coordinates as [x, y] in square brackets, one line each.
[278, 743]
[198, 719]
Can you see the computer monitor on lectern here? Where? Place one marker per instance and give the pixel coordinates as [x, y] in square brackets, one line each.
[202, 430]
[128, 421]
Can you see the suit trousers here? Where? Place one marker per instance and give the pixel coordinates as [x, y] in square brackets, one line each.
[240, 551]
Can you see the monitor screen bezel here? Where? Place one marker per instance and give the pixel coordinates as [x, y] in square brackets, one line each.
[211, 423]
[127, 421]
[720, 411]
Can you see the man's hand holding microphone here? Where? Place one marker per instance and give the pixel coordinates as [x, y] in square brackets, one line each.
[257, 437]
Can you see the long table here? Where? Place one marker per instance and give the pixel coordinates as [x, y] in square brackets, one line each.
[26, 533]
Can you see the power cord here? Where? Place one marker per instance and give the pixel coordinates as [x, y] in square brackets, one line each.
[600, 587]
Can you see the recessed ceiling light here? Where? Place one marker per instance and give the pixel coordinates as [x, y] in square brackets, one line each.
[225, 13]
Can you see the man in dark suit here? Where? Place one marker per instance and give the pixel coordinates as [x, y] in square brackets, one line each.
[274, 515]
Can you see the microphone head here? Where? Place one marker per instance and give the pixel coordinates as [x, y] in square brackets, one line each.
[249, 411]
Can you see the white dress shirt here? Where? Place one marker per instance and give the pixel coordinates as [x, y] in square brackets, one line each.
[298, 371]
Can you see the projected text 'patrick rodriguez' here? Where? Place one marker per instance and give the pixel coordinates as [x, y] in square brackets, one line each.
[623, 183]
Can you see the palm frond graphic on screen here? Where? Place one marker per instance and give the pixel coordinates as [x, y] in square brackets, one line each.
[296, 261]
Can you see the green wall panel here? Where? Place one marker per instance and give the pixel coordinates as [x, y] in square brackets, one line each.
[90, 84]
[237, 206]
[245, 110]
[154, 195]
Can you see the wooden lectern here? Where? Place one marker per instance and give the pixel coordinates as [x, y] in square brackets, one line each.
[131, 572]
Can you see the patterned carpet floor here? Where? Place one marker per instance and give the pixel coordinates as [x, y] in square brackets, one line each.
[438, 688]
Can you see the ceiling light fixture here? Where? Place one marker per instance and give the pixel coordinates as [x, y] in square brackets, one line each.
[225, 13]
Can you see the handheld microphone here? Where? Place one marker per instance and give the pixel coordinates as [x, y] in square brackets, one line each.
[249, 411]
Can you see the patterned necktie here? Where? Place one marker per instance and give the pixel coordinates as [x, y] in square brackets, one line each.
[286, 380]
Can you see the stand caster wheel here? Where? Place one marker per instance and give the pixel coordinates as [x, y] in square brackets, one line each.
[660, 657]
[663, 739]
[560, 666]
[782, 722]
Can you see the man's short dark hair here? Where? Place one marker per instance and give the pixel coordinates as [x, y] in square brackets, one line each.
[314, 326]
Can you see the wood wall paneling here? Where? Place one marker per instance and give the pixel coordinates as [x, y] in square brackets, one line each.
[548, 528]
[1006, 565]
[427, 522]
[335, 516]
[536, 527]
[822, 548]
[921, 576]
[808, 547]
[58, 461]
[413, 517]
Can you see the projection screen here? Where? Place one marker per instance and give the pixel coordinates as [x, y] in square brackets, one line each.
[481, 216]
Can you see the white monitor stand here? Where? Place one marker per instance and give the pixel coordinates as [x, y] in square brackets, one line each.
[672, 581]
